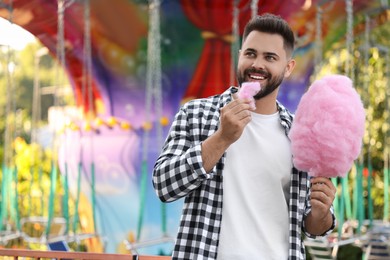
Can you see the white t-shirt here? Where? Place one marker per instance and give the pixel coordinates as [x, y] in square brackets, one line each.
[256, 181]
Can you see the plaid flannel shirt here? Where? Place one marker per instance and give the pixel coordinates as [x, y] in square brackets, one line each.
[179, 173]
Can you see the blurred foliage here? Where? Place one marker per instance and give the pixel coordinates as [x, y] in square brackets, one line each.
[32, 163]
[34, 166]
[370, 74]
[371, 78]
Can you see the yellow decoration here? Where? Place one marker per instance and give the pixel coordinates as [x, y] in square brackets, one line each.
[164, 121]
[111, 121]
[125, 125]
[147, 126]
[87, 127]
[207, 35]
[98, 121]
[74, 127]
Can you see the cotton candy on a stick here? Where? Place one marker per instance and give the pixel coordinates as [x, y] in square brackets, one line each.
[328, 128]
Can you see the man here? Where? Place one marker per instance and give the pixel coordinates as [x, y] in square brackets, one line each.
[243, 197]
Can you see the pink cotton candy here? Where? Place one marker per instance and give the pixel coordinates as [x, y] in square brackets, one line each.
[327, 132]
[248, 90]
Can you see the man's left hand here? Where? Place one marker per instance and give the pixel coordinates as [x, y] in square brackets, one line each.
[322, 195]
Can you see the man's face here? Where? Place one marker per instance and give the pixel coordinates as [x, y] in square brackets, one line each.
[263, 59]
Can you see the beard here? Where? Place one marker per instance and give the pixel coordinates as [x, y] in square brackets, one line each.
[273, 82]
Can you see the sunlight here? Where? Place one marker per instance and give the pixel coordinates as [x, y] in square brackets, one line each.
[13, 35]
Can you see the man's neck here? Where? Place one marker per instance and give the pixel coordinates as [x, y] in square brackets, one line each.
[266, 105]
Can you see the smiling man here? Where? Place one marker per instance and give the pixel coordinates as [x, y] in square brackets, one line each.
[244, 199]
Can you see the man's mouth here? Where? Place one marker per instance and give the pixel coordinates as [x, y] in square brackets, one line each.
[257, 77]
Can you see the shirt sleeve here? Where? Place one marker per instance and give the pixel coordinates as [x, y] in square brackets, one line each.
[179, 168]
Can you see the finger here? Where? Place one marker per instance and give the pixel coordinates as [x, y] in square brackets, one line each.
[238, 102]
[239, 109]
[319, 208]
[243, 115]
[322, 187]
[323, 180]
[319, 180]
[321, 197]
[235, 114]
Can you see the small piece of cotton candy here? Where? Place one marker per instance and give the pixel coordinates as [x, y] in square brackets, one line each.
[248, 90]
[327, 132]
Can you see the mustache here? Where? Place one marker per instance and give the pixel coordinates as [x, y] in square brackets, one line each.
[257, 71]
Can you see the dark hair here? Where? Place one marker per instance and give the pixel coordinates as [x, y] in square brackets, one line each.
[274, 24]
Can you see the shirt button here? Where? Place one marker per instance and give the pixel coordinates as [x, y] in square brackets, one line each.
[214, 237]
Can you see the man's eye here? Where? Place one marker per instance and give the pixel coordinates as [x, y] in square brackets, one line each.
[271, 58]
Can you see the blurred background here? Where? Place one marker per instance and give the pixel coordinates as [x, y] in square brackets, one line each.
[88, 89]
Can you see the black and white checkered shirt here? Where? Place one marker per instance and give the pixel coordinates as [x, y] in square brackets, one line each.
[178, 173]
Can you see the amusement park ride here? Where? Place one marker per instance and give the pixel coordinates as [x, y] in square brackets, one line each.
[99, 179]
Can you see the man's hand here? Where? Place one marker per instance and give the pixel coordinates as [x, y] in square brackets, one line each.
[322, 195]
[234, 117]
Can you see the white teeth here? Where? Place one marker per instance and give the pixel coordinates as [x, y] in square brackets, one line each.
[257, 77]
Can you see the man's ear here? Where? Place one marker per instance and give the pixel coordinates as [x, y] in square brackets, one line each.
[289, 68]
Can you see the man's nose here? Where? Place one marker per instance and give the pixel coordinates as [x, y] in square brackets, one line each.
[258, 64]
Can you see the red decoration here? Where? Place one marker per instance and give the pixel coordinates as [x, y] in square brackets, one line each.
[215, 20]
[366, 172]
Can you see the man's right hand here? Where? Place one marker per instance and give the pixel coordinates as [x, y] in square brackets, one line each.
[234, 117]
